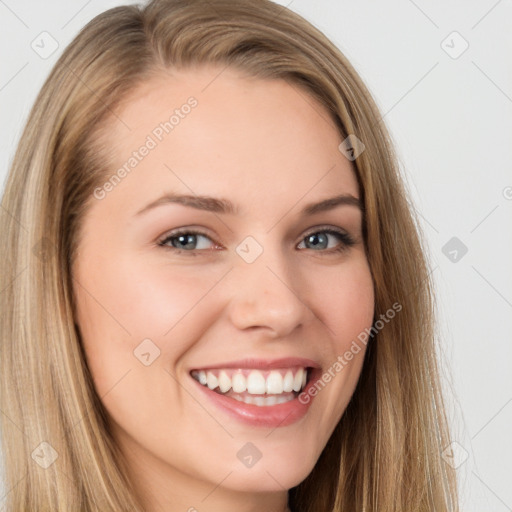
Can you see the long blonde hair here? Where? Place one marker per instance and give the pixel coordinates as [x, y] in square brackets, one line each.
[385, 453]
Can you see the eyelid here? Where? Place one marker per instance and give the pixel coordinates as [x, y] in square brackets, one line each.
[324, 227]
[186, 230]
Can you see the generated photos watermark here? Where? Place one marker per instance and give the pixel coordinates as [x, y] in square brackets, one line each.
[157, 135]
[355, 347]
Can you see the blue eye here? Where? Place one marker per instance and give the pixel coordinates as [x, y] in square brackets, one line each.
[188, 240]
[185, 241]
[320, 239]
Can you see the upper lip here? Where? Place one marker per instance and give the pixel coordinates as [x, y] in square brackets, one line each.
[264, 364]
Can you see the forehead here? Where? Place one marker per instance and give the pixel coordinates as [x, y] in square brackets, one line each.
[211, 130]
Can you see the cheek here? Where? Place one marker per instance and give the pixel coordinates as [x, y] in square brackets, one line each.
[157, 297]
[121, 304]
[345, 302]
[346, 308]
[139, 298]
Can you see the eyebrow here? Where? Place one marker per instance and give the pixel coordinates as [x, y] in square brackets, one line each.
[220, 205]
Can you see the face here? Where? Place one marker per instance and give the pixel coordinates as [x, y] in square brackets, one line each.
[249, 290]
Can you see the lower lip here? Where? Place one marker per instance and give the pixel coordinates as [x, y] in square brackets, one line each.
[279, 415]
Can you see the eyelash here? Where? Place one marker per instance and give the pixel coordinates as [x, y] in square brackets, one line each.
[346, 240]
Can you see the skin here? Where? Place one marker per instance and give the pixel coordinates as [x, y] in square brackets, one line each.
[271, 149]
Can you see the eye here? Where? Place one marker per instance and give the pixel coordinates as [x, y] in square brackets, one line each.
[320, 240]
[186, 241]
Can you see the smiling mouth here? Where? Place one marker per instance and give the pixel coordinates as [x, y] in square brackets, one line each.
[255, 387]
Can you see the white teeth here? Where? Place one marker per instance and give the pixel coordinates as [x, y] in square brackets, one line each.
[255, 383]
[202, 377]
[224, 382]
[274, 383]
[270, 400]
[263, 401]
[297, 381]
[259, 400]
[239, 383]
[211, 380]
[288, 382]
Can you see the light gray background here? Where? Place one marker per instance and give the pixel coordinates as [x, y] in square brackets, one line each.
[451, 121]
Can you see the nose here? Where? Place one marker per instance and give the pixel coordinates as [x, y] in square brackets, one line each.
[267, 295]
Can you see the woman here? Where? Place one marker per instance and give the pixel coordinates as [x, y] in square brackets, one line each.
[215, 295]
